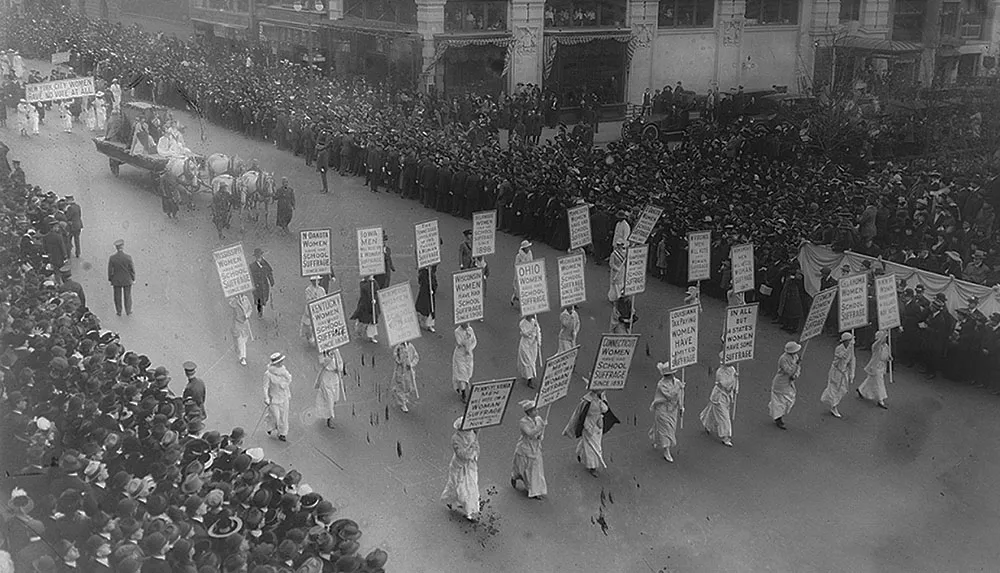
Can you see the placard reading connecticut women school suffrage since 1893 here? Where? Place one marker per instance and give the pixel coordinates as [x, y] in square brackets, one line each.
[487, 403]
[614, 358]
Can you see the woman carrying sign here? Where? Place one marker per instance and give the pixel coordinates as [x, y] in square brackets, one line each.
[366, 313]
[717, 416]
[873, 388]
[587, 426]
[783, 383]
[462, 360]
[242, 309]
[667, 407]
[529, 349]
[404, 375]
[313, 292]
[461, 493]
[329, 384]
[841, 375]
[528, 466]
[427, 296]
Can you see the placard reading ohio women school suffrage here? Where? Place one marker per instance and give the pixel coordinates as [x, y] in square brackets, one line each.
[315, 252]
[371, 260]
[329, 324]
[234, 274]
[741, 333]
[487, 403]
[614, 358]
[533, 288]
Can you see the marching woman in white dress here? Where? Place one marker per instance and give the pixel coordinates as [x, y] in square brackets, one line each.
[313, 292]
[717, 415]
[22, 116]
[528, 465]
[329, 384]
[66, 116]
[589, 445]
[569, 328]
[462, 359]
[841, 375]
[100, 112]
[529, 349]
[873, 388]
[461, 493]
[667, 408]
[783, 384]
[89, 117]
[33, 118]
[404, 375]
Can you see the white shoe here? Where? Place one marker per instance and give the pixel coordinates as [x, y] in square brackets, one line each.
[668, 457]
[404, 408]
[728, 442]
[243, 361]
[374, 341]
[835, 413]
[431, 329]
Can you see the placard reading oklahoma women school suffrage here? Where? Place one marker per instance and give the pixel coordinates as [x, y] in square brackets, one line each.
[328, 322]
[818, 312]
[579, 226]
[555, 380]
[399, 314]
[428, 243]
[234, 274]
[467, 295]
[533, 287]
[315, 252]
[371, 260]
[572, 284]
[484, 233]
[699, 256]
[614, 358]
[853, 301]
[741, 333]
[684, 336]
[487, 403]
[887, 301]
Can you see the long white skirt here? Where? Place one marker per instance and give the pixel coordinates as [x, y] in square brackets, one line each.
[532, 472]
[716, 416]
[589, 449]
[330, 391]
[462, 488]
[782, 399]
[664, 430]
[873, 387]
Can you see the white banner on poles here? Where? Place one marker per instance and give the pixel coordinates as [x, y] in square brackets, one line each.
[484, 233]
[699, 256]
[399, 314]
[741, 333]
[572, 284]
[579, 226]
[741, 257]
[329, 322]
[818, 313]
[644, 226]
[614, 358]
[428, 243]
[557, 376]
[887, 301]
[315, 252]
[371, 260]
[467, 295]
[234, 273]
[59, 89]
[853, 308]
[684, 336]
[532, 284]
[487, 404]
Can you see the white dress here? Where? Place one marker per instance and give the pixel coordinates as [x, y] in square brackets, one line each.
[590, 448]
[783, 386]
[616, 282]
[841, 375]
[873, 388]
[462, 489]
[462, 359]
[329, 383]
[404, 375]
[528, 465]
[569, 328]
[666, 406]
[33, 119]
[717, 417]
[528, 348]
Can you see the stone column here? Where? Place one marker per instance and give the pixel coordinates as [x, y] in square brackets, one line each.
[642, 16]
[527, 21]
[729, 61]
[430, 21]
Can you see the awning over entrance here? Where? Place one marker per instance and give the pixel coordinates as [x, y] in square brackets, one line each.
[878, 45]
[554, 39]
[443, 42]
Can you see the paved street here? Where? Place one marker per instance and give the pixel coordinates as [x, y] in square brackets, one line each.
[911, 489]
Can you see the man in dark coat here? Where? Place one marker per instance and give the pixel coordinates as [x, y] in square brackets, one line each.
[444, 186]
[409, 175]
[937, 329]
[385, 278]
[55, 246]
[121, 275]
[505, 206]
[474, 193]
[284, 198]
[195, 389]
[459, 192]
[68, 284]
[74, 218]
[263, 279]
[428, 183]
[323, 163]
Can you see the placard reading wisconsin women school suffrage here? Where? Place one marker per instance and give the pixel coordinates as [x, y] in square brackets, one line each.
[741, 333]
[234, 274]
[557, 376]
[467, 295]
[614, 358]
[853, 301]
[371, 260]
[329, 325]
[533, 287]
[487, 403]
[572, 284]
[315, 252]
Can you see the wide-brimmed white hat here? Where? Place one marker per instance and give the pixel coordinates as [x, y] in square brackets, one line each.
[846, 336]
[792, 347]
[525, 244]
[665, 368]
[277, 358]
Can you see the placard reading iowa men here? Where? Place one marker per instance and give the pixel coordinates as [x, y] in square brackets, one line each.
[579, 226]
[699, 256]
[644, 226]
[572, 284]
[484, 233]
[428, 244]
[887, 302]
[741, 257]
[635, 269]
[614, 358]
[315, 252]
[741, 333]
[234, 274]
[399, 314]
[371, 260]
[853, 302]
[532, 284]
[818, 313]
[487, 403]
[467, 295]
[684, 336]
[328, 322]
[557, 376]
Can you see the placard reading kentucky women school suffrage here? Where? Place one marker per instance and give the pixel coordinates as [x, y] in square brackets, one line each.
[371, 260]
[533, 287]
[555, 380]
[635, 269]
[484, 233]
[572, 284]
[644, 226]
[428, 244]
[315, 252]
[614, 358]
[579, 226]
[741, 333]
[741, 257]
[234, 274]
[684, 336]
[887, 302]
[699, 256]
[329, 324]
[853, 301]
[487, 403]
[399, 314]
[467, 295]
[818, 312]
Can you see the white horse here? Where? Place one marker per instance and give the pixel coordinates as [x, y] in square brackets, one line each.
[220, 164]
[184, 171]
[255, 190]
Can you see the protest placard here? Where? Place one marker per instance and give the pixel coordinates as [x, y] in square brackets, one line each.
[467, 291]
[487, 403]
[572, 285]
[741, 333]
[614, 358]
[644, 226]
[684, 336]
[329, 322]
[853, 308]
[579, 226]
[371, 260]
[315, 252]
[234, 274]
[557, 376]
[699, 256]
[428, 244]
[532, 284]
[635, 269]
[741, 257]
[484, 233]
[399, 314]
[818, 312]
[887, 302]
[59, 89]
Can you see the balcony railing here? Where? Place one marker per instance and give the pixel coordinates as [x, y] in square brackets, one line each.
[475, 16]
[584, 14]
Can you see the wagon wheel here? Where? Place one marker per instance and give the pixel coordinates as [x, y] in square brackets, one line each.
[651, 132]
[115, 165]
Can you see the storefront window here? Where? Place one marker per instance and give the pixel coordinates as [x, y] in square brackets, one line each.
[590, 68]
[584, 14]
[686, 13]
[772, 12]
[475, 16]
